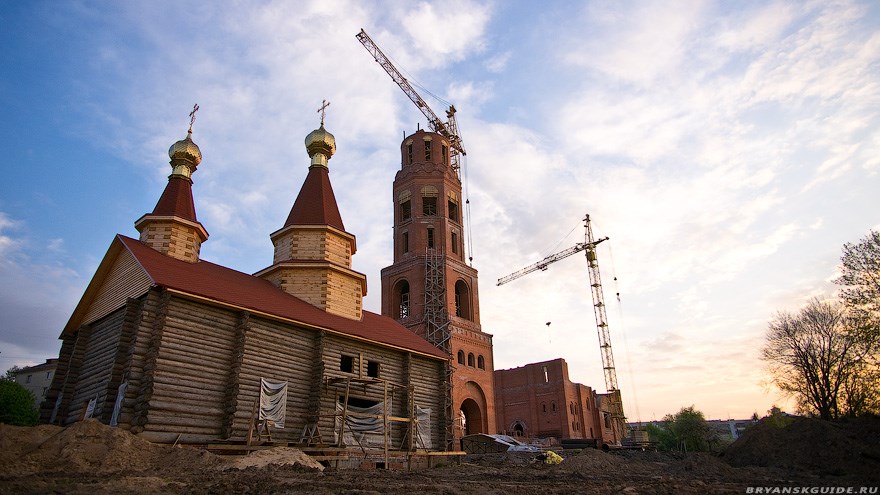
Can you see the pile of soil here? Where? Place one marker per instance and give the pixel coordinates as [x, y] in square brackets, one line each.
[848, 448]
[91, 458]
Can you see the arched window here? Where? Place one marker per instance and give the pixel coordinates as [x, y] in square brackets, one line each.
[428, 149]
[405, 205]
[452, 206]
[471, 359]
[553, 405]
[462, 300]
[429, 201]
[460, 357]
[481, 362]
[401, 293]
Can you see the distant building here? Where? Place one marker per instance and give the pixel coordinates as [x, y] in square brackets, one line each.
[37, 379]
[538, 401]
[729, 429]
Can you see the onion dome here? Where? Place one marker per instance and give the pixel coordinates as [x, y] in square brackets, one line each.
[186, 149]
[320, 145]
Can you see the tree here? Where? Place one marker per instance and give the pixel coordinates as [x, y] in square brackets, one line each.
[10, 373]
[685, 430]
[818, 356]
[860, 276]
[17, 405]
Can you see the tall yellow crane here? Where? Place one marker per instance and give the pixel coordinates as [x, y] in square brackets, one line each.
[448, 129]
[589, 246]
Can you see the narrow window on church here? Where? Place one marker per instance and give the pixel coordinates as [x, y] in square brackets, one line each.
[444, 151]
[429, 206]
[460, 357]
[373, 369]
[346, 364]
[453, 210]
[405, 242]
[544, 408]
[471, 359]
[455, 243]
[481, 362]
[427, 150]
[553, 406]
[430, 238]
[546, 375]
[403, 299]
[457, 304]
[409, 153]
[405, 210]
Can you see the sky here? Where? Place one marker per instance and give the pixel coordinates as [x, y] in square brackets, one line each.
[727, 149]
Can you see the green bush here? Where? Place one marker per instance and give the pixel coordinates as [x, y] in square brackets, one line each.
[17, 405]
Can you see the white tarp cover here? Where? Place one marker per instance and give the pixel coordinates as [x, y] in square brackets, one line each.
[120, 394]
[423, 437]
[359, 430]
[90, 408]
[273, 401]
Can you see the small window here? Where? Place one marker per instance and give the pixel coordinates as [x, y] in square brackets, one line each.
[607, 420]
[405, 242]
[403, 299]
[452, 207]
[429, 207]
[373, 369]
[346, 364]
[544, 408]
[471, 359]
[460, 357]
[444, 151]
[409, 152]
[430, 237]
[553, 405]
[455, 243]
[546, 375]
[481, 362]
[427, 150]
[571, 407]
[405, 210]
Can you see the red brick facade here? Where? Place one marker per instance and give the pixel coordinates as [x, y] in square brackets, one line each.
[428, 220]
[539, 401]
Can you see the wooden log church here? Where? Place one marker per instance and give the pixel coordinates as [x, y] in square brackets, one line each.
[174, 348]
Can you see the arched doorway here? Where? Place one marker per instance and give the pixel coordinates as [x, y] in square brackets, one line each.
[472, 417]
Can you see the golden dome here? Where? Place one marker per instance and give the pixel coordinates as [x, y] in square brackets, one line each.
[186, 149]
[320, 142]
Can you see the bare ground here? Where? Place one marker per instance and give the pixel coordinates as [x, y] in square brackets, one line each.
[92, 458]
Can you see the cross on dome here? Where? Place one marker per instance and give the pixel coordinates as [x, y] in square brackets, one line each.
[324, 105]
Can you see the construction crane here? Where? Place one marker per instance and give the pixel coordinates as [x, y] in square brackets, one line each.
[448, 129]
[589, 245]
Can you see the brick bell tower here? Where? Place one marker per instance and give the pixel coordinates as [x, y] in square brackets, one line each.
[430, 288]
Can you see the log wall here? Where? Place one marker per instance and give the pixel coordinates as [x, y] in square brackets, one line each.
[280, 352]
[96, 366]
[194, 352]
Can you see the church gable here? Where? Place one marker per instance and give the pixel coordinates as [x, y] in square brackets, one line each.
[119, 276]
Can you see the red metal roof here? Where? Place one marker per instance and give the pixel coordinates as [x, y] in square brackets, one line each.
[177, 199]
[316, 204]
[224, 285]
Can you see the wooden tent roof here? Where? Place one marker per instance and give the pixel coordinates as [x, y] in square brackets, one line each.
[316, 203]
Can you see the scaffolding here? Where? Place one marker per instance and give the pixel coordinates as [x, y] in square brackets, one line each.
[437, 331]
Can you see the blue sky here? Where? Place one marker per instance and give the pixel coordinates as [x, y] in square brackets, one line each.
[728, 149]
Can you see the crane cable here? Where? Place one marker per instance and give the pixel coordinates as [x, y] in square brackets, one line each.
[623, 334]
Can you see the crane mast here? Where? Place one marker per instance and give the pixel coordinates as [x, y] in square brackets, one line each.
[449, 129]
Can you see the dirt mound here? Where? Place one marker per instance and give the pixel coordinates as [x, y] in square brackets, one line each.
[91, 447]
[592, 461]
[846, 448]
[282, 456]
